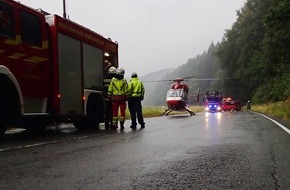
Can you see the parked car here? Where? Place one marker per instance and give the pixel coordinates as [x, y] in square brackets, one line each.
[231, 105]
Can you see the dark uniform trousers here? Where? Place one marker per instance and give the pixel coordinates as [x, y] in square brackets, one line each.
[109, 114]
[135, 108]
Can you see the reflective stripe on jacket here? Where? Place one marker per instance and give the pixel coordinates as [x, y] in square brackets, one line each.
[117, 87]
[135, 88]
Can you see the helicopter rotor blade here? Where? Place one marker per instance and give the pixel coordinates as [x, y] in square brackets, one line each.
[158, 81]
[168, 80]
[187, 77]
[209, 79]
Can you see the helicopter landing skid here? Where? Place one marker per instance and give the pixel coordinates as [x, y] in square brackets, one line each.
[189, 111]
[166, 112]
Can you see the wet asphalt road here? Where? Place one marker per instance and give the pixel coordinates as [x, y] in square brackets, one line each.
[230, 150]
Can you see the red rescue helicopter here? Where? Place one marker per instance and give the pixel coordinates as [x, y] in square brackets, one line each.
[177, 98]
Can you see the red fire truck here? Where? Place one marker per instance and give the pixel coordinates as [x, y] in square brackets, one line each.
[51, 69]
[212, 101]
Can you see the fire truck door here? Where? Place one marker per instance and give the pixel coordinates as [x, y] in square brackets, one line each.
[70, 78]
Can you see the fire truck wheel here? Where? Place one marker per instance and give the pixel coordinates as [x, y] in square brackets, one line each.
[3, 128]
[10, 105]
[79, 124]
[6, 104]
[3, 125]
[95, 113]
[95, 110]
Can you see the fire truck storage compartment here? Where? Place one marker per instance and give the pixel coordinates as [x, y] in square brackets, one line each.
[69, 73]
[93, 67]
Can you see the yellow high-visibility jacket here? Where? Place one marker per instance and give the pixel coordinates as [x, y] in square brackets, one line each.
[118, 88]
[135, 88]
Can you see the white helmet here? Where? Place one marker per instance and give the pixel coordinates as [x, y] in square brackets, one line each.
[120, 71]
[134, 74]
[112, 70]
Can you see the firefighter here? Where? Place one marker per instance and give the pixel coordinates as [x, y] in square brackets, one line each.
[135, 93]
[248, 105]
[108, 102]
[117, 93]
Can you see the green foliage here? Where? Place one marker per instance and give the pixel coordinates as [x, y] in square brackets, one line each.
[253, 57]
[279, 109]
[275, 90]
[149, 111]
[156, 111]
[256, 51]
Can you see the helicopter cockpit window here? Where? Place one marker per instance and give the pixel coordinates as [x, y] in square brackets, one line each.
[177, 93]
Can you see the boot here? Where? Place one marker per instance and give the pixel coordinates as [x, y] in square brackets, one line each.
[122, 125]
[114, 126]
[107, 125]
[143, 125]
[133, 127]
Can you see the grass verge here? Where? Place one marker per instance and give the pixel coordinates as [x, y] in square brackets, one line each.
[156, 111]
[277, 109]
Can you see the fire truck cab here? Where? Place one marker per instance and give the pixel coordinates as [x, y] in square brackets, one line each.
[52, 70]
[212, 101]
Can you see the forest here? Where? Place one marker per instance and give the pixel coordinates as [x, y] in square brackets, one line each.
[252, 62]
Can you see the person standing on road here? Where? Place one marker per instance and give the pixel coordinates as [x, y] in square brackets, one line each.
[248, 105]
[108, 103]
[117, 93]
[136, 93]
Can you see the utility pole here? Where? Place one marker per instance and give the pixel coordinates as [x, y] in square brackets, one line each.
[64, 11]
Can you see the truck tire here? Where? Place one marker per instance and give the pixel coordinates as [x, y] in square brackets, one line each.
[3, 116]
[5, 107]
[95, 111]
[9, 104]
[95, 114]
[3, 128]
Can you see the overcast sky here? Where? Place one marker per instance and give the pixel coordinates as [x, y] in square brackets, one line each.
[152, 34]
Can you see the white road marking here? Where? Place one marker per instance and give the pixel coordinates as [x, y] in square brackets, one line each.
[46, 143]
[279, 124]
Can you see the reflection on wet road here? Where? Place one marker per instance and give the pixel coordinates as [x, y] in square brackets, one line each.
[229, 150]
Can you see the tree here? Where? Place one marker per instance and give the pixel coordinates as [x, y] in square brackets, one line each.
[256, 50]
